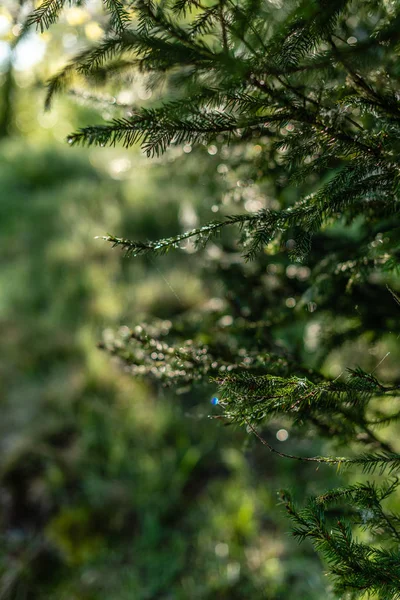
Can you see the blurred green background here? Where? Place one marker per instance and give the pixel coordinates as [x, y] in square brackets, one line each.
[109, 488]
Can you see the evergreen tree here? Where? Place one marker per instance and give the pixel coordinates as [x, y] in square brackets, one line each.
[301, 100]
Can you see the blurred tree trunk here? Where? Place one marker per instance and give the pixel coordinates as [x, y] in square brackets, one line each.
[7, 103]
[8, 86]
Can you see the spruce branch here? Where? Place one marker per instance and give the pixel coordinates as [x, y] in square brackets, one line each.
[45, 15]
[120, 17]
[307, 216]
[355, 567]
[317, 459]
[156, 129]
[48, 13]
[136, 248]
[395, 296]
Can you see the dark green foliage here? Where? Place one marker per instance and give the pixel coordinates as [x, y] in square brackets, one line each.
[355, 566]
[301, 100]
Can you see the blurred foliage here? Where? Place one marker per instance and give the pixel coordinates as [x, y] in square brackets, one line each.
[110, 488]
[108, 491]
